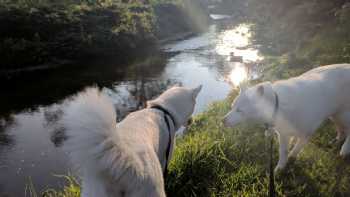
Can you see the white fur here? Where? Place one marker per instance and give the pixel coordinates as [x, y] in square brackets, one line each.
[128, 158]
[304, 103]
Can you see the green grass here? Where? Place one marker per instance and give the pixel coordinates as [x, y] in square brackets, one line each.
[211, 160]
[214, 161]
[71, 189]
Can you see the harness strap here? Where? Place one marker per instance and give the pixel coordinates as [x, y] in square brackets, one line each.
[269, 128]
[269, 125]
[167, 153]
[277, 104]
[272, 176]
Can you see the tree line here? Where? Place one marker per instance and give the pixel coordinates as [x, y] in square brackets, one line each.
[297, 33]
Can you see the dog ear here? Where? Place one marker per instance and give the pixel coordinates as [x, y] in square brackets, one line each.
[260, 90]
[196, 91]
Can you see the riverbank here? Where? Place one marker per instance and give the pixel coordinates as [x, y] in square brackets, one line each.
[48, 34]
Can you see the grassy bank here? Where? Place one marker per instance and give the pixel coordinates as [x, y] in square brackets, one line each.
[214, 161]
[211, 160]
[38, 32]
[44, 32]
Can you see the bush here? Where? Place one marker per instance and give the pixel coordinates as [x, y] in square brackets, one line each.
[40, 32]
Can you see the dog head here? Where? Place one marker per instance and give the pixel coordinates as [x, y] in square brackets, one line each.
[252, 104]
[180, 103]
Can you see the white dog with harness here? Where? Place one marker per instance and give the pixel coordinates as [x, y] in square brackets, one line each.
[296, 107]
[128, 158]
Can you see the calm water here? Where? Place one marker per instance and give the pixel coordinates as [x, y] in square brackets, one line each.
[30, 136]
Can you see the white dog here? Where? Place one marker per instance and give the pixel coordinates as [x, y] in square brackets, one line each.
[128, 158]
[296, 107]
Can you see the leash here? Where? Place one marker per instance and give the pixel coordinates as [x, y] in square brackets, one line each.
[269, 129]
[272, 189]
[269, 135]
[167, 153]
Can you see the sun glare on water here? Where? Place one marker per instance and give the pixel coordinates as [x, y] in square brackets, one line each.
[237, 40]
[238, 75]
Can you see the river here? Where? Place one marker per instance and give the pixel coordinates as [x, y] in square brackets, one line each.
[31, 139]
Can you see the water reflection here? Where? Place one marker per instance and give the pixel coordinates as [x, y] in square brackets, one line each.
[238, 75]
[52, 116]
[6, 142]
[5, 139]
[132, 95]
[237, 41]
[30, 140]
[41, 89]
[241, 57]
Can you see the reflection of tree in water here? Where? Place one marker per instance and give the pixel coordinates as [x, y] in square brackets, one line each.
[58, 136]
[58, 84]
[146, 90]
[132, 96]
[6, 140]
[143, 83]
[52, 117]
[127, 97]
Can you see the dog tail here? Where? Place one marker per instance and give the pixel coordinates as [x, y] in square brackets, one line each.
[90, 123]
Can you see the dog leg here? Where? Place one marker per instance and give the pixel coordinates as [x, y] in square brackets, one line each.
[283, 151]
[339, 127]
[340, 133]
[298, 146]
[345, 149]
[345, 120]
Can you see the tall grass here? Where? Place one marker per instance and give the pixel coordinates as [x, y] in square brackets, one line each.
[71, 189]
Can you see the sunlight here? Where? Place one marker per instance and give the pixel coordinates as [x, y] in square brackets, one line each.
[238, 36]
[237, 40]
[238, 75]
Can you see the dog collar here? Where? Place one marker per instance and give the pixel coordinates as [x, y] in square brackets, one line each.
[166, 113]
[277, 104]
[167, 153]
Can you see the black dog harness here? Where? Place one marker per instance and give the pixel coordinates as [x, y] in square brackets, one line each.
[275, 110]
[167, 153]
